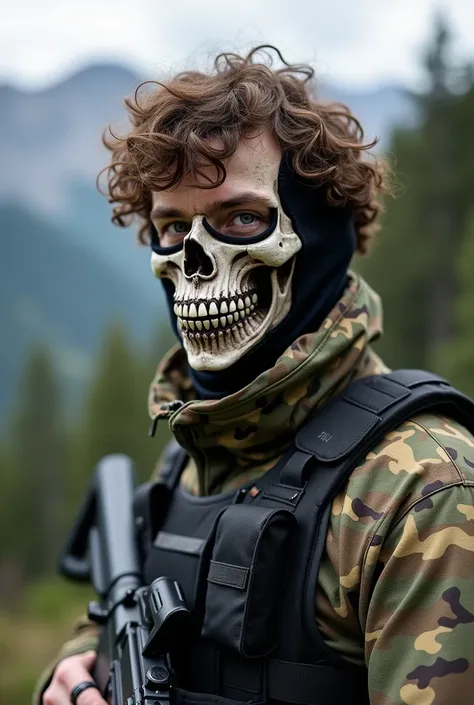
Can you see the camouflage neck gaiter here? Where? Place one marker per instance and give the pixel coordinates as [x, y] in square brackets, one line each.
[239, 437]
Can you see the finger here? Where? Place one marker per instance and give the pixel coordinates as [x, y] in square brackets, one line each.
[56, 695]
[88, 659]
[74, 672]
[91, 696]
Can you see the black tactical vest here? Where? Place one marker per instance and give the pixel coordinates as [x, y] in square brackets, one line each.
[248, 561]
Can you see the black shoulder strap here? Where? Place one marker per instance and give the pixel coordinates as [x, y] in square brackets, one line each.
[329, 447]
[352, 423]
[171, 464]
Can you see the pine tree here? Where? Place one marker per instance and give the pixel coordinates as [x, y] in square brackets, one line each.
[413, 266]
[35, 491]
[439, 205]
[11, 564]
[114, 418]
[396, 266]
[457, 358]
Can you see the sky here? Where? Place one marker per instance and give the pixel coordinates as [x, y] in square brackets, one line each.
[356, 43]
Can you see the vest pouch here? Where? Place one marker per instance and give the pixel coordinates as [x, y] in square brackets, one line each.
[250, 556]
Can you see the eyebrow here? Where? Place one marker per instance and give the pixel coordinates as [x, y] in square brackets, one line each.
[239, 199]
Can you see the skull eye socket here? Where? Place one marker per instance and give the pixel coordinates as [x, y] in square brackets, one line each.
[172, 234]
[157, 247]
[241, 239]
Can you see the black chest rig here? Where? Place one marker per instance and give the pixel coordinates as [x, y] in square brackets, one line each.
[248, 562]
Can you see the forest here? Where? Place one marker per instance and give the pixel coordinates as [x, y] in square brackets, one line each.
[421, 265]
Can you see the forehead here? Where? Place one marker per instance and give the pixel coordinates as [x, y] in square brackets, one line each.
[253, 167]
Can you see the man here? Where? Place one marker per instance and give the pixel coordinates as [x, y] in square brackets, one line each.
[255, 197]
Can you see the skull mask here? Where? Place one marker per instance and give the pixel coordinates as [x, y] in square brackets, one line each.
[228, 291]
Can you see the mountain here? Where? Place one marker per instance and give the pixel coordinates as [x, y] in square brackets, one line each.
[52, 290]
[88, 220]
[51, 139]
[379, 111]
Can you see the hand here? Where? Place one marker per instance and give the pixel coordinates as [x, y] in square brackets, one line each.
[68, 673]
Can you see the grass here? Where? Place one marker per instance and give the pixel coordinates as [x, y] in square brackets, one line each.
[31, 634]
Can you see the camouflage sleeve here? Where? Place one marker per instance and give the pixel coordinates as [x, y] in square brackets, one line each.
[85, 637]
[419, 626]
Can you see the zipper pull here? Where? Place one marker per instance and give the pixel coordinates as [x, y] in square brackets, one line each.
[153, 426]
[168, 408]
[240, 496]
[174, 405]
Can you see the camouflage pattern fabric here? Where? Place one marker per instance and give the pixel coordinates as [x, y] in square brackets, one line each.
[396, 585]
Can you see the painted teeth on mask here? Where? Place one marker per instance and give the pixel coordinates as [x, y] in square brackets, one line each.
[218, 316]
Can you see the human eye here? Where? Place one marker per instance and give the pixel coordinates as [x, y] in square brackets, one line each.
[246, 223]
[178, 227]
[172, 233]
[245, 219]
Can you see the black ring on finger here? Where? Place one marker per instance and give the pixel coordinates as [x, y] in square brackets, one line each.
[77, 690]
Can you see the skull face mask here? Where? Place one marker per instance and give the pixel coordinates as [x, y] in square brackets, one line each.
[239, 298]
[228, 291]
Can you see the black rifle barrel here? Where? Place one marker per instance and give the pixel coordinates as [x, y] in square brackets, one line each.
[108, 509]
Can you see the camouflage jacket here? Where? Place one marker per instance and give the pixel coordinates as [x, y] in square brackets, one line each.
[396, 584]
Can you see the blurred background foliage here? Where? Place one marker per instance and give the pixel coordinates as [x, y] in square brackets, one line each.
[423, 259]
[83, 327]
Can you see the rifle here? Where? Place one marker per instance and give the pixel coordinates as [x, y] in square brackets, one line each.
[142, 624]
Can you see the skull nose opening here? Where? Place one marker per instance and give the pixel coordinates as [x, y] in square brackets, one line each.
[196, 261]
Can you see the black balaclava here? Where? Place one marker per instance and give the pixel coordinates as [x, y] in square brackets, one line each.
[319, 279]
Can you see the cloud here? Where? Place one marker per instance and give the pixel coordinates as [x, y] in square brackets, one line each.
[350, 41]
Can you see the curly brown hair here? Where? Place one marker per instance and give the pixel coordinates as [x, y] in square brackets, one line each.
[172, 125]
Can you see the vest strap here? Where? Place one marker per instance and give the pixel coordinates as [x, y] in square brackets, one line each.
[307, 684]
[351, 423]
[293, 471]
[296, 683]
[184, 697]
[172, 464]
